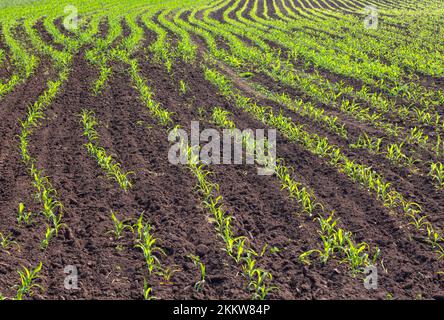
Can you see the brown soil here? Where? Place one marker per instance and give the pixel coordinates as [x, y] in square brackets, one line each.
[167, 197]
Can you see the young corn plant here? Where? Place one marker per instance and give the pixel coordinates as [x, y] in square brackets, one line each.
[167, 273]
[24, 217]
[439, 146]
[437, 174]
[417, 135]
[49, 234]
[220, 117]
[197, 262]
[436, 241]
[146, 241]
[147, 291]
[395, 154]
[51, 206]
[119, 227]
[183, 87]
[28, 279]
[258, 279]
[413, 210]
[370, 143]
[418, 221]
[6, 243]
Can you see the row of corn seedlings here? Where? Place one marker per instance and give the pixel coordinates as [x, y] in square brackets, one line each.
[237, 247]
[105, 161]
[98, 55]
[306, 109]
[45, 193]
[25, 63]
[185, 49]
[161, 48]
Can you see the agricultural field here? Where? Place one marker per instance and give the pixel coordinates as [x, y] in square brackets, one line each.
[343, 200]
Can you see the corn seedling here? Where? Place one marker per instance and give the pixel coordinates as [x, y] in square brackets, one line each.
[24, 217]
[147, 243]
[167, 273]
[49, 234]
[147, 291]
[395, 154]
[371, 143]
[183, 87]
[437, 174]
[119, 227]
[197, 262]
[105, 161]
[6, 243]
[339, 243]
[28, 280]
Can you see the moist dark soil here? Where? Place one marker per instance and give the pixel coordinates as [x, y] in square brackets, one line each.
[166, 194]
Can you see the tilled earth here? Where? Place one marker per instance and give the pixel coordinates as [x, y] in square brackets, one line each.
[167, 197]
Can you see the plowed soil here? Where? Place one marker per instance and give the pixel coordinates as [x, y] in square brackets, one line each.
[166, 195]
